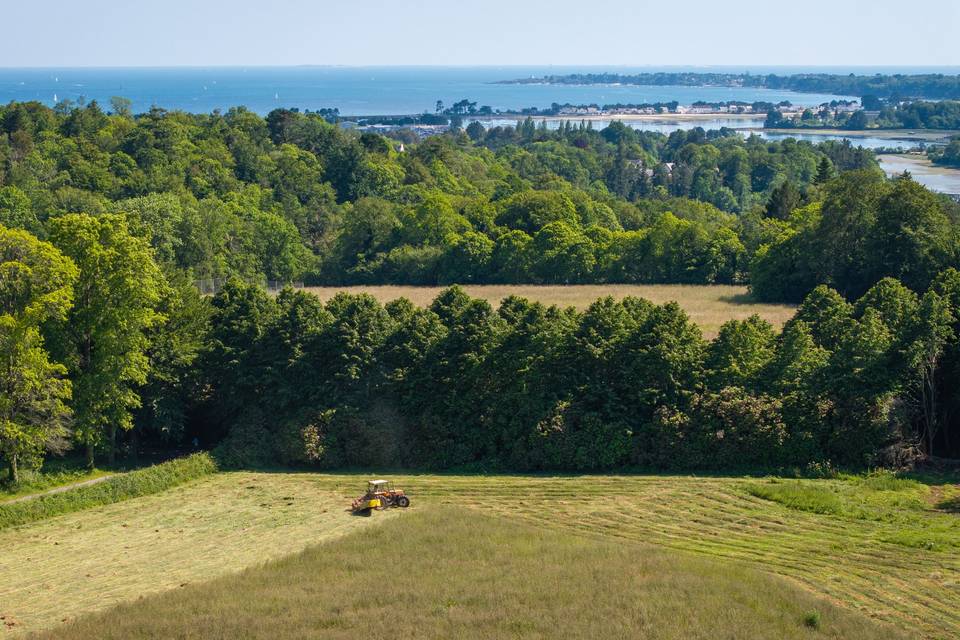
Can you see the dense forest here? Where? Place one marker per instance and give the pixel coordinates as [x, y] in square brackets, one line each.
[107, 219]
[621, 384]
[933, 86]
[292, 197]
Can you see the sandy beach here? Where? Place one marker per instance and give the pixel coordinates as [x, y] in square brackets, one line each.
[942, 179]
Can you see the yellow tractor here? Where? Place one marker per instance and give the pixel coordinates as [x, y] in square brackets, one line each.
[380, 495]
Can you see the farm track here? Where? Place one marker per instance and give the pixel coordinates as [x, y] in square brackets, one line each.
[60, 489]
[90, 560]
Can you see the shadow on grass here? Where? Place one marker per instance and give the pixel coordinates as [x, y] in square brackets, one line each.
[950, 505]
[739, 298]
[747, 299]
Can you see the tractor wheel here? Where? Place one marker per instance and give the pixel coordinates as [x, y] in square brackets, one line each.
[403, 501]
[385, 503]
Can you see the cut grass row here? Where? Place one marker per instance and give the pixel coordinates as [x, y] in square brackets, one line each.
[60, 568]
[861, 563]
[449, 572]
[114, 489]
[224, 523]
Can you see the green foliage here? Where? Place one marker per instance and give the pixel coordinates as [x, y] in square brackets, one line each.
[36, 286]
[867, 229]
[124, 486]
[144, 205]
[623, 383]
[103, 339]
[878, 496]
[948, 156]
[293, 197]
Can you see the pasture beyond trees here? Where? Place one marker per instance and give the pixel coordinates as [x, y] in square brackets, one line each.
[709, 306]
[633, 547]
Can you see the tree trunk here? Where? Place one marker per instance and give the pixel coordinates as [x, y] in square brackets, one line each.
[14, 471]
[90, 455]
[135, 444]
[112, 452]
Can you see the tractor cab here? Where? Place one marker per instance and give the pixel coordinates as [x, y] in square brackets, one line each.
[380, 495]
[379, 486]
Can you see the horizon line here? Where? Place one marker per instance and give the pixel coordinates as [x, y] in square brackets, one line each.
[481, 66]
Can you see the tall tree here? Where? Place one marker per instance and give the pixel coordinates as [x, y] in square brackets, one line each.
[36, 285]
[931, 334]
[104, 340]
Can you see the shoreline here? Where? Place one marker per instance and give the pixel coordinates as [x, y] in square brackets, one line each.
[935, 177]
[920, 135]
[647, 117]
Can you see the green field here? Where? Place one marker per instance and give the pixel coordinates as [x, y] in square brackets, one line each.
[653, 556]
[455, 573]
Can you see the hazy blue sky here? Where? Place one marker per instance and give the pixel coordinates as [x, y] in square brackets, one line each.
[627, 32]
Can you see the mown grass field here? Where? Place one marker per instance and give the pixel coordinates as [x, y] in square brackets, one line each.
[707, 305]
[886, 551]
[450, 572]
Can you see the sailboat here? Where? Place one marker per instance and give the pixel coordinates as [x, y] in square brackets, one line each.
[55, 98]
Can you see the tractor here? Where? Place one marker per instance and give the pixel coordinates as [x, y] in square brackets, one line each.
[380, 495]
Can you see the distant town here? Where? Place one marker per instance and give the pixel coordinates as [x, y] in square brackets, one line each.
[445, 118]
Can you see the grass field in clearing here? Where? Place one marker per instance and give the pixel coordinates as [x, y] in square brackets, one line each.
[59, 568]
[448, 572]
[87, 561]
[707, 305]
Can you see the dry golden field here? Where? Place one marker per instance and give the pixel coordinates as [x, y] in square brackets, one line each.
[707, 305]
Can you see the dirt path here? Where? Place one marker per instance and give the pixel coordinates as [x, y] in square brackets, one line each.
[66, 487]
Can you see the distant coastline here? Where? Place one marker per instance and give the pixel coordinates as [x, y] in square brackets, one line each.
[932, 86]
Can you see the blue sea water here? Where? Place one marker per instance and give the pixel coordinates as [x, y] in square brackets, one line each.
[365, 90]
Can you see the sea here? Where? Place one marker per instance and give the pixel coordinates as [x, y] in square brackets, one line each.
[360, 91]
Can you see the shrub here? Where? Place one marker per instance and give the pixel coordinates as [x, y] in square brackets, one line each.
[115, 489]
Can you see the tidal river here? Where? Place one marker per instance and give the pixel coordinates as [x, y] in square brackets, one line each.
[940, 179]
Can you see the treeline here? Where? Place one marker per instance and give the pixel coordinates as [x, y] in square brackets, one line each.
[105, 220]
[934, 86]
[622, 384]
[735, 106]
[292, 197]
[823, 117]
[948, 156]
[944, 114]
[863, 229]
[104, 351]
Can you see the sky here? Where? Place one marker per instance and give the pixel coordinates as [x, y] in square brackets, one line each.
[496, 32]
